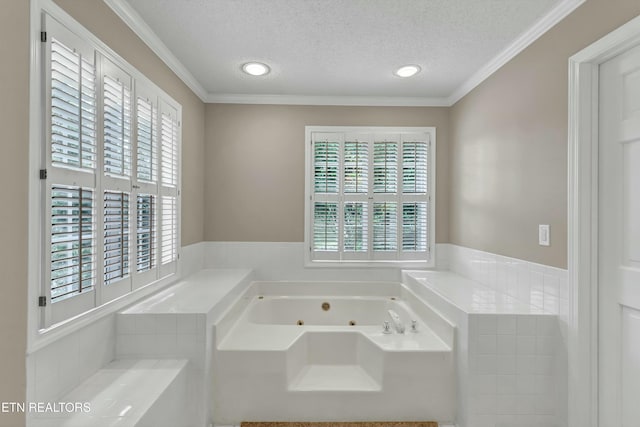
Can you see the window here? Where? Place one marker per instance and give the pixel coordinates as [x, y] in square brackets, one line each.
[370, 195]
[111, 193]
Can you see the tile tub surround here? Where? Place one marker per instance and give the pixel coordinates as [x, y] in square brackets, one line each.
[539, 285]
[127, 393]
[176, 323]
[59, 367]
[268, 368]
[508, 367]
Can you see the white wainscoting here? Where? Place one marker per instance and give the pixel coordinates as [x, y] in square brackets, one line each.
[539, 285]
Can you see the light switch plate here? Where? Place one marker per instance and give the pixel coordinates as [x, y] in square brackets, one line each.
[544, 235]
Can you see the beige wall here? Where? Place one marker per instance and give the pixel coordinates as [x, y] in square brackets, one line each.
[503, 166]
[14, 121]
[254, 179]
[508, 169]
[102, 22]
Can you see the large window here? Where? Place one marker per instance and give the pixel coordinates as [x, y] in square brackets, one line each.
[110, 181]
[370, 195]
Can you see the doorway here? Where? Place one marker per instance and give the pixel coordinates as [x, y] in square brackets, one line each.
[604, 306]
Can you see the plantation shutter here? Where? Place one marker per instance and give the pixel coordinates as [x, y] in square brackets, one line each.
[370, 196]
[355, 205]
[169, 230]
[169, 131]
[327, 167]
[146, 232]
[356, 165]
[169, 135]
[110, 178]
[73, 245]
[116, 236]
[356, 227]
[414, 167]
[146, 191]
[385, 166]
[117, 124]
[385, 197]
[414, 226]
[73, 107]
[385, 226]
[147, 138]
[71, 155]
[415, 198]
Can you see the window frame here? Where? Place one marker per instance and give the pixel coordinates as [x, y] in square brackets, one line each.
[47, 17]
[375, 261]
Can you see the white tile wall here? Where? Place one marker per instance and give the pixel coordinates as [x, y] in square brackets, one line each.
[192, 258]
[169, 336]
[542, 286]
[512, 377]
[530, 357]
[174, 336]
[62, 365]
[57, 368]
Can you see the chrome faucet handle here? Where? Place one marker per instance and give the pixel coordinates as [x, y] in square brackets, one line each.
[397, 322]
[414, 326]
[386, 328]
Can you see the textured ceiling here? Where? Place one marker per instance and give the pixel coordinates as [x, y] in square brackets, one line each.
[338, 47]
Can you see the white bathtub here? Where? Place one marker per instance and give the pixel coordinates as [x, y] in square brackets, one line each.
[281, 356]
[341, 311]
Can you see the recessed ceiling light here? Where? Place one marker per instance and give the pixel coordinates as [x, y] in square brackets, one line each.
[256, 68]
[407, 71]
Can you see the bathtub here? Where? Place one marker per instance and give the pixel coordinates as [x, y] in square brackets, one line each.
[317, 311]
[316, 351]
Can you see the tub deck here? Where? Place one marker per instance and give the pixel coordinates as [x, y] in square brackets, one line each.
[205, 292]
[470, 296]
[327, 369]
[253, 337]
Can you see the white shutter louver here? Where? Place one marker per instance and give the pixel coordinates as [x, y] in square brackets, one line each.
[414, 226]
[356, 170]
[72, 241]
[325, 226]
[117, 127]
[385, 226]
[355, 227]
[146, 240]
[169, 245]
[73, 108]
[385, 167]
[116, 236]
[147, 137]
[169, 138]
[169, 181]
[414, 167]
[326, 162]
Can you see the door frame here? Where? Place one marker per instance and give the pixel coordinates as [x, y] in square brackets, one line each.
[582, 320]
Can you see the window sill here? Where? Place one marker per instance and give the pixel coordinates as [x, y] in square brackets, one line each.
[44, 337]
[354, 264]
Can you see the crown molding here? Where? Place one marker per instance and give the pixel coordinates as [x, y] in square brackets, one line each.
[134, 21]
[124, 10]
[386, 101]
[544, 24]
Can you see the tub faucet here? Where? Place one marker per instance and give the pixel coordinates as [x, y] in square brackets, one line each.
[397, 323]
